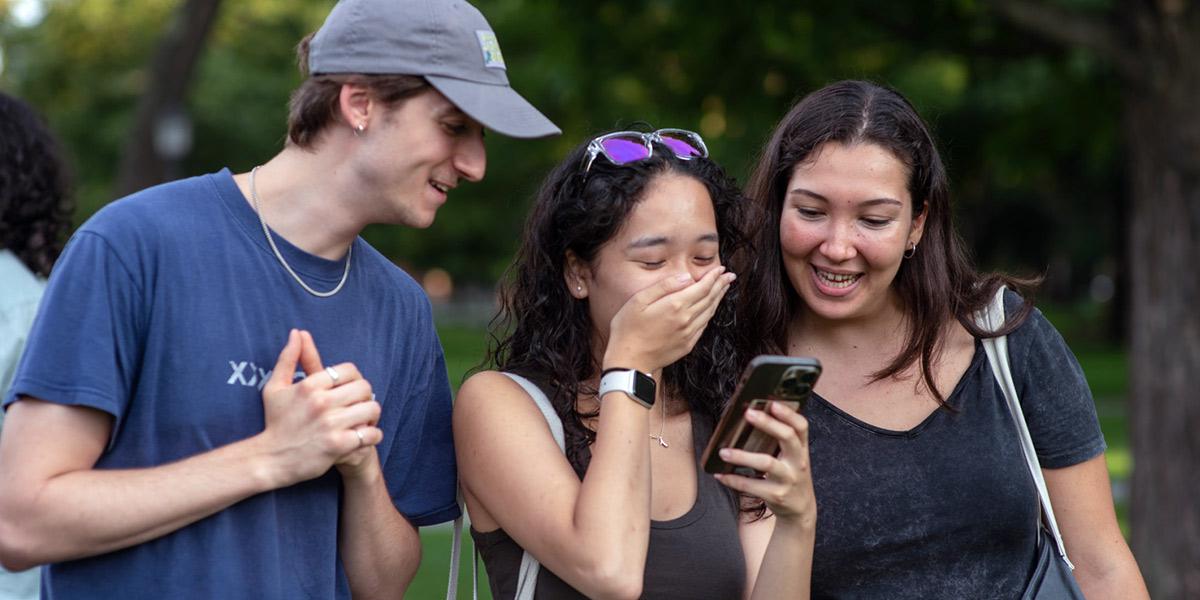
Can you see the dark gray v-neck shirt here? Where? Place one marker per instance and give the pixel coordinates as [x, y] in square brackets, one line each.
[948, 509]
[695, 556]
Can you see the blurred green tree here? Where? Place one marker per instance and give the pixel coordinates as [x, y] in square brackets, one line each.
[161, 132]
[1008, 111]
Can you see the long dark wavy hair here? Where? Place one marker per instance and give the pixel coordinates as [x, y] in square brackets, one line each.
[542, 332]
[937, 285]
[35, 199]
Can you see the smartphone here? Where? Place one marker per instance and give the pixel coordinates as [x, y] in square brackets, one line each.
[783, 379]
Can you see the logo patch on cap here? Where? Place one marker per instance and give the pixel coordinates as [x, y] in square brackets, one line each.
[491, 49]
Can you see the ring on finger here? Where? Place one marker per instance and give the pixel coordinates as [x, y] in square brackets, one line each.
[333, 374]
[361, 440]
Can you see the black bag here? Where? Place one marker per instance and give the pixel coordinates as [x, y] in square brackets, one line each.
[1051, 578]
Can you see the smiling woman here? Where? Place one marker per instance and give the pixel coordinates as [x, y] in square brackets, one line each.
[860, 267]
[617, 323]
[672, 230]
[846, 224]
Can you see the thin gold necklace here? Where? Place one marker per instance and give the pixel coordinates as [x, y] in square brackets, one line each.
[271, 241]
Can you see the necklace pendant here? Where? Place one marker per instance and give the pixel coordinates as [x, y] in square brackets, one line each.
[661, 441]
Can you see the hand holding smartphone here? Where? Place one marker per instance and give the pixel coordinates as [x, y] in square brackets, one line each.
[782, 379]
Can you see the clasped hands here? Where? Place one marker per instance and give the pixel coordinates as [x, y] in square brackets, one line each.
[326, 419]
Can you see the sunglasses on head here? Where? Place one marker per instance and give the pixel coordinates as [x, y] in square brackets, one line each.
[624, 147]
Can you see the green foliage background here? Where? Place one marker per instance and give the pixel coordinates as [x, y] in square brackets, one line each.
[1030, 132]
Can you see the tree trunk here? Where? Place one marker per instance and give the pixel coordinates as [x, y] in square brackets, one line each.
[171, 70]
[1154, 46]
[1162, 128]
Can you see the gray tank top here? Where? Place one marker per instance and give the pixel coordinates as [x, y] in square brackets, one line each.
[697, 555]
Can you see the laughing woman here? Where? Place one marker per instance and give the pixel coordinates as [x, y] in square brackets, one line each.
[921, 485]
[609, 313]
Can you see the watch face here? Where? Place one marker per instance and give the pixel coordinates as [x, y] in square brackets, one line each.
[643, 387]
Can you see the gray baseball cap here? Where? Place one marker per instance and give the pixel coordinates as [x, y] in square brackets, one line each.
[448, 42]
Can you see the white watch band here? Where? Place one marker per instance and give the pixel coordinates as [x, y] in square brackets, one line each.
[621, 381]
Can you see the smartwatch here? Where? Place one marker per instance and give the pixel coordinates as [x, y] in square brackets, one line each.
[637, 384]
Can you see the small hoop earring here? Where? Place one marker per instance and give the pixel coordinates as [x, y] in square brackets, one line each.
[912, 249]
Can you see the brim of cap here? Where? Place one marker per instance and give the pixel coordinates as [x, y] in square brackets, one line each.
[498, 107]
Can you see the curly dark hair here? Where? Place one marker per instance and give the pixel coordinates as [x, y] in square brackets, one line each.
[35, 200]
[545, 334]
[938, 285]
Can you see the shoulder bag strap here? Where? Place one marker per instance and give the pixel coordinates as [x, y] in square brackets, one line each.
[992, 319]
[527, 577]
[456, 551]
[543, 404]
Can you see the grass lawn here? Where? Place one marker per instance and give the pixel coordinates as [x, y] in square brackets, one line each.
[432, 577]
[1104, 365]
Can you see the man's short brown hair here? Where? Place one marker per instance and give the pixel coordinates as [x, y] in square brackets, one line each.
[314, 105]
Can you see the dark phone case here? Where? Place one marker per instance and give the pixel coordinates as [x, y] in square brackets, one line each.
[758, 386]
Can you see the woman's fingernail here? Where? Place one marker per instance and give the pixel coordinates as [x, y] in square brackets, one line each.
[725, 453]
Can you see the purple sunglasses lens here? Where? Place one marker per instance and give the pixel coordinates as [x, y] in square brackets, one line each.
[680, 147]
[623, 151]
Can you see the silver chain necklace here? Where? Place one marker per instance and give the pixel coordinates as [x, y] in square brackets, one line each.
[662, 428]
[271, 241]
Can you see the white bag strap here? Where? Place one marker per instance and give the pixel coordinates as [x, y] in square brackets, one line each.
[543, 404]
[527, 576]
[456, 552]
[992, 319]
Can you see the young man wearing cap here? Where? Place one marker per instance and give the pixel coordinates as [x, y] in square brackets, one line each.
[160, 445]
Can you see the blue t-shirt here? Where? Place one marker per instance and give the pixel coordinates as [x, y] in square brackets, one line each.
[168, 311]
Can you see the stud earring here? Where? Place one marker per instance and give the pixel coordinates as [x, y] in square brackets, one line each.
[359, 129]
